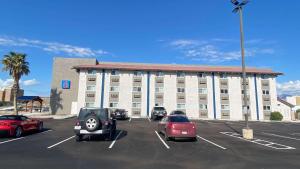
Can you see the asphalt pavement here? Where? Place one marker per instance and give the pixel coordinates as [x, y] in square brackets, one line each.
[137, 145]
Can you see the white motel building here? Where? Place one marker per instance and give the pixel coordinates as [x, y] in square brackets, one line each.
[202, 92]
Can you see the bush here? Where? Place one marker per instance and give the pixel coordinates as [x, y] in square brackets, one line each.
[276, 116]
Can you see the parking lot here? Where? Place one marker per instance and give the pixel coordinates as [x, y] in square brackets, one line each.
[138, 145]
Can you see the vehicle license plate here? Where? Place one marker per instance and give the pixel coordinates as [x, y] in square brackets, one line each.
[184, 132]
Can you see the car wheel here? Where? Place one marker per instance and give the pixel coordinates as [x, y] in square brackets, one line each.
[167, 138]
[92, 123]
[78, 138]
[194, 139]
[112, 134]
[40, 127]
[18, 132]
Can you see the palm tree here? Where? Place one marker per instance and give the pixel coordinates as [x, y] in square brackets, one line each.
[17, 66]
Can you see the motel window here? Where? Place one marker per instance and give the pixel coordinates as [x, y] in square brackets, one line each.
[247, 92]
[265, 92]
[137, 89]
[159, 74]
[137, 96]
[202, 90]
[90, 88]
[114, 72]
[91, 72]
[136, 105]
[91, 79]
[180, 106]
[159, 104]
[202, 106]
[180, 74]
[224, 91]
[90, 95]
[224, 107]
[137, 73]
[114, 88]
[113, 105]
[89, 104]
[264, 76]
[180, 90]
[115, 96]
[201, 75]
[159, 89]
[267, 108]
[223, 76]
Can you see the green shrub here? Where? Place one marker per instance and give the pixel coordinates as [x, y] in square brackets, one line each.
[276, 116]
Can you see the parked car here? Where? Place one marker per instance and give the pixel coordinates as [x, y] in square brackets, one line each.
[158, 112]
[95, 121]
[120, 114]
[177, 126]
[177, 112]
[17, 125]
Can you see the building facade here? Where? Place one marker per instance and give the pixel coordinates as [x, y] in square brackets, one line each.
[202, 92]
[7, 94]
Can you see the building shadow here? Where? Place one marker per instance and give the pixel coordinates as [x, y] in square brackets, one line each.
[55, 101]
[104, 137]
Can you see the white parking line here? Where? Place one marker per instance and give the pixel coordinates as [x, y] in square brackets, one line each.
[162, 140]
[260, 141]
[276, 135]
[61, 142]
[112, 144]
[211, 142]
[10, 140]
[149, 119]
[295, 134]
[129, 119]
[7, 141]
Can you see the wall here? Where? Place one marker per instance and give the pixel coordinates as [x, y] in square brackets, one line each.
[61, 99]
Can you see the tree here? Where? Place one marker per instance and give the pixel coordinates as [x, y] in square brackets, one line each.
[17, 66]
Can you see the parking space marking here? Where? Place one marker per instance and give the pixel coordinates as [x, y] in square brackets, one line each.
[60, 142]
[7, 141]
[149, 119]
[260, 142]
[166, 145]
[112, 144]
[276, 135]
[211, 142]
[15, 139]
[129, 119]
[295, 134]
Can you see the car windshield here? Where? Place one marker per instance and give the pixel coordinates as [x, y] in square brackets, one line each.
[9, 118]
[179, 119]
[159, 108]
[100, 112]
[178, 112]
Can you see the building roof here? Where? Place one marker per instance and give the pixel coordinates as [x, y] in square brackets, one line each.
[285, 102]
[174, 67]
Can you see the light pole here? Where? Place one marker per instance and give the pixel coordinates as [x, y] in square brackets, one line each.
[247, 132]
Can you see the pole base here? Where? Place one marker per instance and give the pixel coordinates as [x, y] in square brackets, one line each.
[248, 134]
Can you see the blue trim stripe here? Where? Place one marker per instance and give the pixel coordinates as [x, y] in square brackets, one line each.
[102, 88]
[214, 95]
[256, 97]
[148, 94]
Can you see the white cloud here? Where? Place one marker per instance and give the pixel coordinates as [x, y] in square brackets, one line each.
[30, 82]
[53, 47]
[6, 83]
[216, 50]
[289, 88]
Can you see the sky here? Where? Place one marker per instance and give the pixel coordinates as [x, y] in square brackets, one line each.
[151, 31]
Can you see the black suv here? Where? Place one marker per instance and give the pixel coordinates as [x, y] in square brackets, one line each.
[158, 112]
[95, 121]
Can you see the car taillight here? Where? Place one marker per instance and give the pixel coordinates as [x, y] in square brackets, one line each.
[170, 125]
[77, 123]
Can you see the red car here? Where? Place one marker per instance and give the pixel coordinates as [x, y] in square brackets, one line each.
[16, 125]
[177, 126]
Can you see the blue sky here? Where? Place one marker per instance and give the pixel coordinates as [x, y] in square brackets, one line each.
[170, 31]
